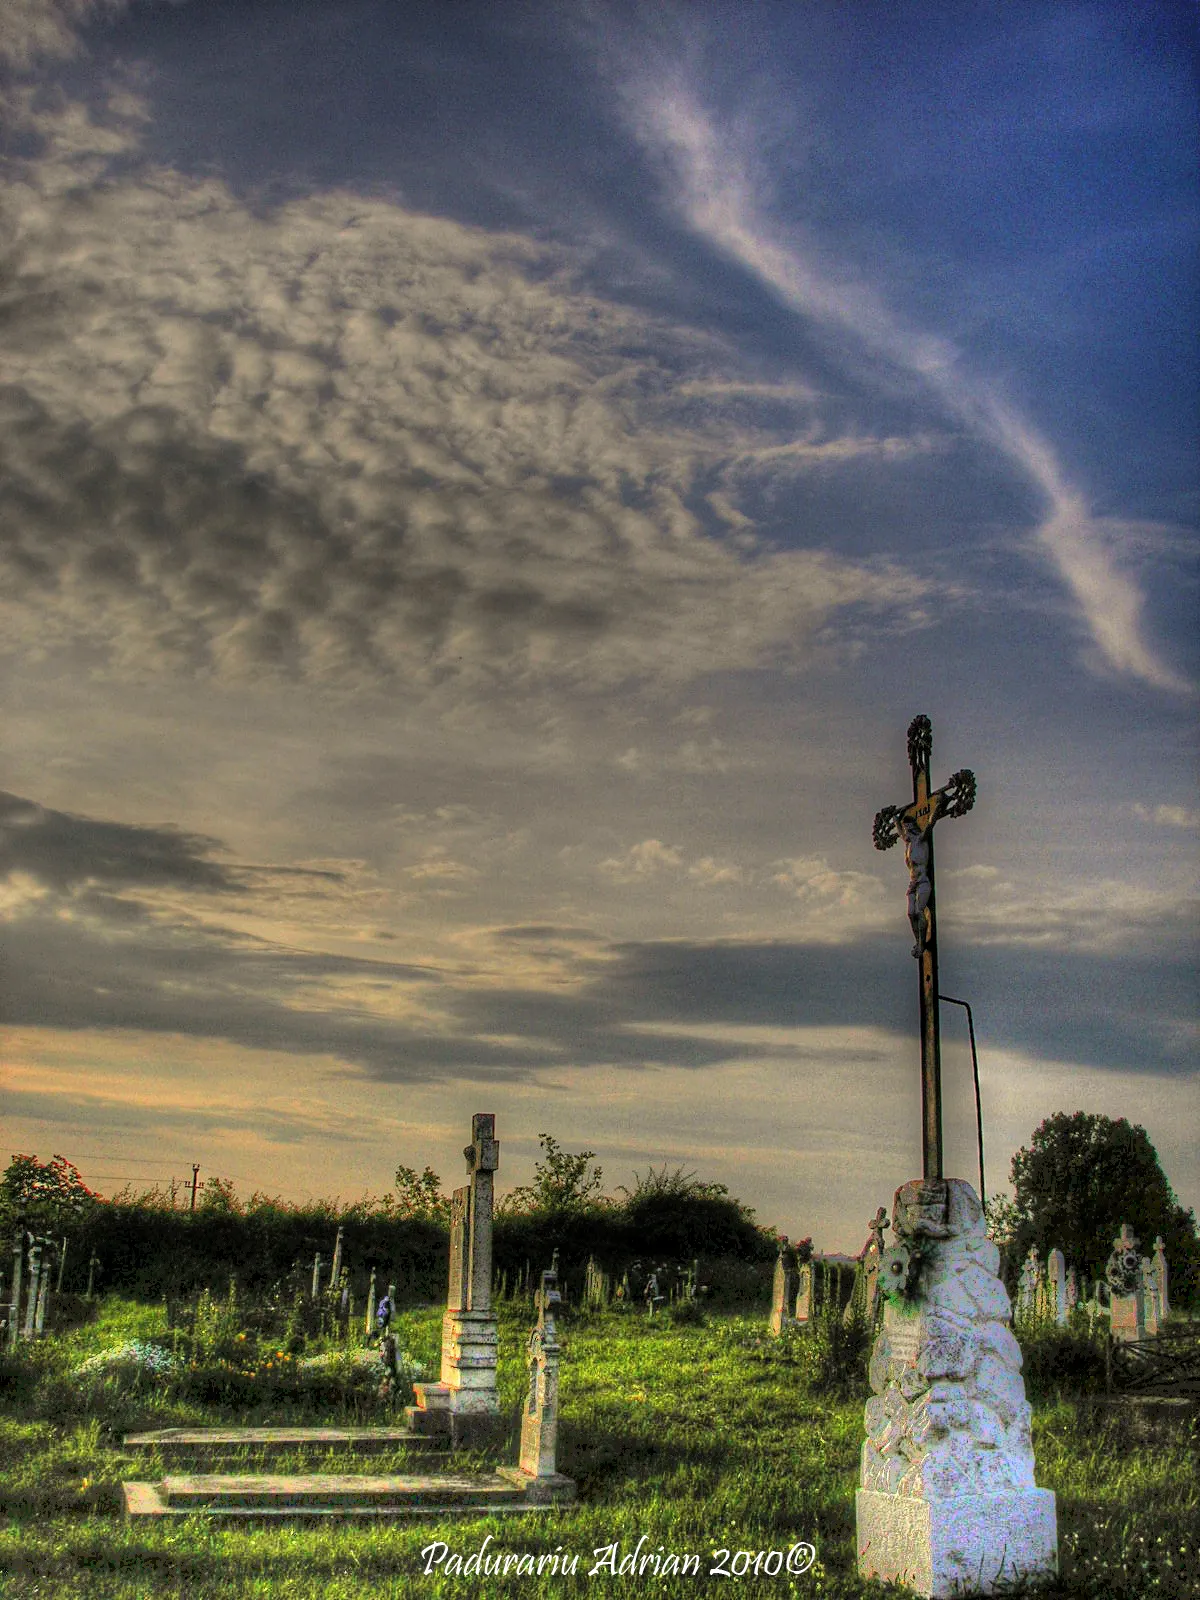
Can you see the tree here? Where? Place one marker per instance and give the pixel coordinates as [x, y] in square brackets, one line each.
[50, 1196]
[420, 1197]
[563, 1183]
[1081, 1177]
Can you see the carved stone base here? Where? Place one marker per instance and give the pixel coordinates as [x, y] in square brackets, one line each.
[464, 1405]
[550, 1489]
[969, 1544]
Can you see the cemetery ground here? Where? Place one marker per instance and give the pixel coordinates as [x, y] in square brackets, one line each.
[694, 1434]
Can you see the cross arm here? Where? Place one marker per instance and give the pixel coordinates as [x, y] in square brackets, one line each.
[954, 799]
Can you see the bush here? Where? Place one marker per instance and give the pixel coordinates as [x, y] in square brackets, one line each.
[1058, 1360]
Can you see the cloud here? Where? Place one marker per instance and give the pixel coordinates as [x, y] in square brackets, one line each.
[35, 30]
[64, 851]
[344, 442]
[709, 170]
[1167, 816]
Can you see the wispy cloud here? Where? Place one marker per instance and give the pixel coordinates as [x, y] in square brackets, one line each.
[712, 171]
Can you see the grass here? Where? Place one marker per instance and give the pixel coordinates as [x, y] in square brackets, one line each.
[696, 1437]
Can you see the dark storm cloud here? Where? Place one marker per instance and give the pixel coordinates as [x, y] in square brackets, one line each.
[64, 851]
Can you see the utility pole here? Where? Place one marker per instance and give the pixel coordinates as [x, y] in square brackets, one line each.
[195, 1180]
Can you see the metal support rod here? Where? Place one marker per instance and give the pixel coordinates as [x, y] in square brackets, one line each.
[195, 1180]
[950, 1000]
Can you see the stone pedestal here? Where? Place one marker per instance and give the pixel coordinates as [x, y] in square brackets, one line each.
[948, 1503]
[464, 1403]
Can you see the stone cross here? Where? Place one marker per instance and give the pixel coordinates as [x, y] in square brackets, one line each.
[914, 824]
[1123, 1271]
[536, 1470]
[464, 1402]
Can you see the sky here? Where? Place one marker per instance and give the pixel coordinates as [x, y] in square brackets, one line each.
[484, 490]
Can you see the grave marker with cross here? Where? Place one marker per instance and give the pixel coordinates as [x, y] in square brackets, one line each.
[914, 824]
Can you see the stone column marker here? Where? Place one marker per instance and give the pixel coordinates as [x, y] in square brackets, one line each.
[464, 1402]
[536, 1470]
[1161, 1276]
[783, 1290]
[1056, 1269]
[948, 1503]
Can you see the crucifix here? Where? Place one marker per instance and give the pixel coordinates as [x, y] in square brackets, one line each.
[914, 824]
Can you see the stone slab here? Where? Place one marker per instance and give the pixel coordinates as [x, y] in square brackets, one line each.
[962, 1545]
[147, 1500]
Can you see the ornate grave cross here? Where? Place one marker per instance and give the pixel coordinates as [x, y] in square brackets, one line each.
[914, 824]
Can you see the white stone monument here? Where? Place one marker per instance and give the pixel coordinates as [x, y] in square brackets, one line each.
[1150, 1303]
[464, 1402]
[948, 1503]
[536, 1470]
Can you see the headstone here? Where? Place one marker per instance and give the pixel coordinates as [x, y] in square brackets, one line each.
[92, 1265]
[35, 1284]
[948, 1503]
[783, 1290]
[805, 1292]
[464, 1402]
[536, 1469]
[1072, 1291]
[316, 1277]
[1150, 1298]
[369, 1330]
[1030, 1286]
[652, 1294]
[1056, 1272]
[14, 1304]
[1161, 1277]
[43, 1298]
[869, 1259]
[1123, 1273]
[335, 1271]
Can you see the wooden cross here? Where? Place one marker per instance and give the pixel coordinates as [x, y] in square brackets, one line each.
[914, 824]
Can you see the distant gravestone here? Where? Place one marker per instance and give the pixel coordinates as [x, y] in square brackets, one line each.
[1150, 1303]
[1072, 1290]
[464, 1401]
[1123, 1273]
[35, 1283]
[805, 1292]
[316, 1275]
[783, 1289]
[1028, 1286]
[1056, 1272]
[1161, 1277]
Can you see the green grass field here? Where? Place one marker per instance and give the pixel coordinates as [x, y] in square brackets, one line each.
[694, 1439]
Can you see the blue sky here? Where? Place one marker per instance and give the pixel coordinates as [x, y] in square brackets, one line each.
[483, 491]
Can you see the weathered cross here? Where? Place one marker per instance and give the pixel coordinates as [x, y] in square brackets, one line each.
[914, 824]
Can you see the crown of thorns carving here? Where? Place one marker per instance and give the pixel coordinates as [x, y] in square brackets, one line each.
[960, 793]
[920, 741]
[886, 829]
